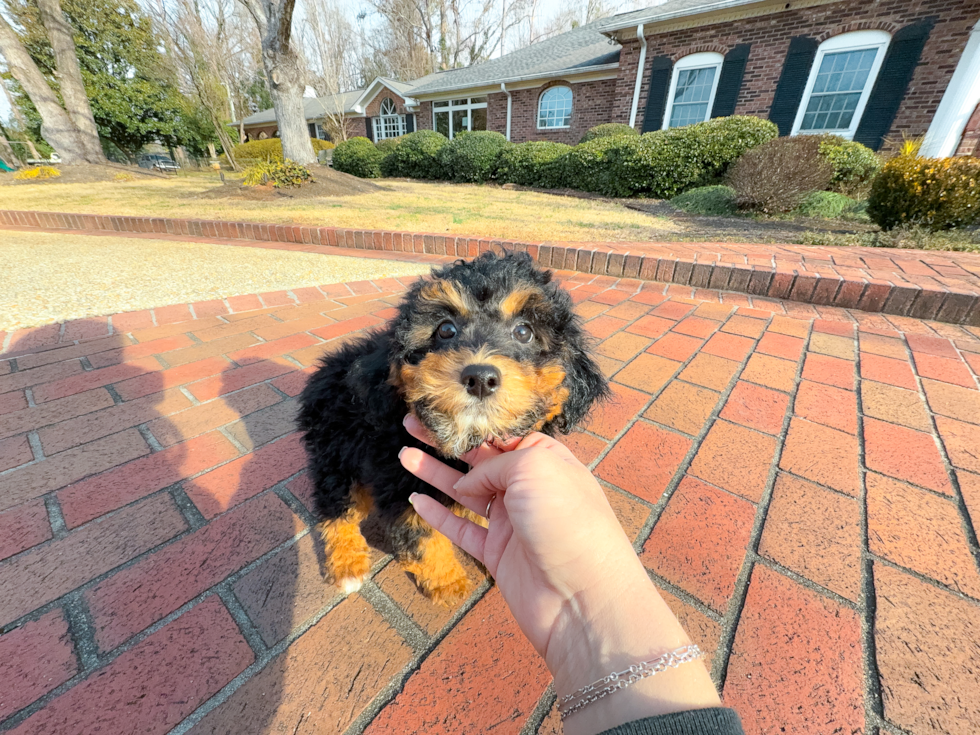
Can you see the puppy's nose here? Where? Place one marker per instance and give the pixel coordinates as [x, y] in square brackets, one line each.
[480, 380]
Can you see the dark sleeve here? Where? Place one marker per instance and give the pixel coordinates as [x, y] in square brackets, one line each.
[713, 721]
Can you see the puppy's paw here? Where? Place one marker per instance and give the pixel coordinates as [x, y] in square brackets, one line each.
[449, 592]
[350, 569]
[350, 585]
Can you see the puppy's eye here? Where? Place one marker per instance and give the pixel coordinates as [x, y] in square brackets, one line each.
[522, 333]
[446, 330]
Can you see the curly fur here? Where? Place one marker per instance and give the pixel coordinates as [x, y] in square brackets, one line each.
[353, 405]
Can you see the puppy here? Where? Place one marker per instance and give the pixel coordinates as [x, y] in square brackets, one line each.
[485, 349]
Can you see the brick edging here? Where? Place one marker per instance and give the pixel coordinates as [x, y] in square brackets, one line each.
[773, 281]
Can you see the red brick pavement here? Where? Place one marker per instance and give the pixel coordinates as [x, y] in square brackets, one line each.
[807, 496]
[909, 283]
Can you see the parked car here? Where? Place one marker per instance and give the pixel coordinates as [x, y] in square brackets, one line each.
[159, 162]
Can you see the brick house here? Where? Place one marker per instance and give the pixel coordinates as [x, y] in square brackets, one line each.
[871, 72]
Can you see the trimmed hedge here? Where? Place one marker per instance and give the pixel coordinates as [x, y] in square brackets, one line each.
[472, 156]
[387, 148]
[417, 155]
[358, 157]
[538, 163]
[586, 165]
[934, 193]
[855, 165]
[271, 149]
[607, 130]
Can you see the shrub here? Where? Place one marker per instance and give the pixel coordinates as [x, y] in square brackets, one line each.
[472, 156]
[359, 157]
[776, 176]
[281, 174]
[38, 173]
[935, 193]
[715, 201]
[716, 144]
[825, 204]
[607, 130]
[417, 155]
[854, 165]
[271, 150]
[652, 165]
[387, 147]
[538, 163]
[585, 164]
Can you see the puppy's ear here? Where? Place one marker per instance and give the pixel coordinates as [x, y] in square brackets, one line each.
[586, 385]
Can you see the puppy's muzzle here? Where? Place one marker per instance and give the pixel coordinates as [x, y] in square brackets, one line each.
[480, 381]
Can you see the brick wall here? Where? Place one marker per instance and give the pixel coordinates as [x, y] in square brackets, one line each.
[592, 104]
[256, 132]
[970, 143]
[423, 118]
[770, 36]
[374, 107]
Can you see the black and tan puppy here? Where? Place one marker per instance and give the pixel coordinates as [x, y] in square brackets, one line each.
[487, 348]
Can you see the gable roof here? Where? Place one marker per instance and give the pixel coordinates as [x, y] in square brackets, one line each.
[577, 50]
[313, 108]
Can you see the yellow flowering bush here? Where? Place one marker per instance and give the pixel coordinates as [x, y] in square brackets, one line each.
[37, 172]
[935, 193]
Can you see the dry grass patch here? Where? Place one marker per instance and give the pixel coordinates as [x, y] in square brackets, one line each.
[482, 211]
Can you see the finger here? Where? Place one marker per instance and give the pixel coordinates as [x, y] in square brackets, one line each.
[468, 536]
[441, 476]
[537, 439]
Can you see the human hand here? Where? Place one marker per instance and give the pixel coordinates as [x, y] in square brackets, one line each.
[566, 570]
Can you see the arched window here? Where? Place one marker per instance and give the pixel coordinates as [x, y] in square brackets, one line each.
[840, 82]
[692, 89]
[390, 124]
[555, 108]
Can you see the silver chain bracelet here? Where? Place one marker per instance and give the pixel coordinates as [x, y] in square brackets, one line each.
[572, 703]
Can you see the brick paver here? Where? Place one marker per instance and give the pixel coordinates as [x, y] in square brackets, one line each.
[802, 483]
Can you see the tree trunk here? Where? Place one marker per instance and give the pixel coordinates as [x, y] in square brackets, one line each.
[7, 153]
[225, 139]
[70, 75]
[56, 126]
[274, 19]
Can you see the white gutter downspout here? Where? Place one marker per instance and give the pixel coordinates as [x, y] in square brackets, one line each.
[639, 73]
[503, 88]
[958, 103]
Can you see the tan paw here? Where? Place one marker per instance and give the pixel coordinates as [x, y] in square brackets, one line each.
[449, 593]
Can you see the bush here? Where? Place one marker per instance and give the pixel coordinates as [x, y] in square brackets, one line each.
[417, 155]
[281, 174]
[714, 201]
[387, 147]
[825, 204]
[777, 176]
[472, 156]
[586, 167]
[358, 157]
[934, 193]
[854, 165]
[37, 173]
[537, 163]
[607, 130]
[651, 165]
[716, 144]
[271, 150]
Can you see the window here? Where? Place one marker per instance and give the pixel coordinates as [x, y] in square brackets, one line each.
[692, 89]
[454, 116]
[389, 124]
[840, 83]
[555, 108]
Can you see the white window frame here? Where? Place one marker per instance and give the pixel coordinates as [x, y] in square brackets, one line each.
[855, 41]
[390, 120]
[702, 60]
[570, 112]
[450, 106]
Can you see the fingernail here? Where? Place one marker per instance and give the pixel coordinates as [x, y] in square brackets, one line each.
[401, 451]
[411, 498]
[405, 420]
[456, 484]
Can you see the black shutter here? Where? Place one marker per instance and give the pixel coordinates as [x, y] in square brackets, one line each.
[409, 123]
[893, 81]
[730, 81]
[367, 129]
[660, 68]
[792, 82]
